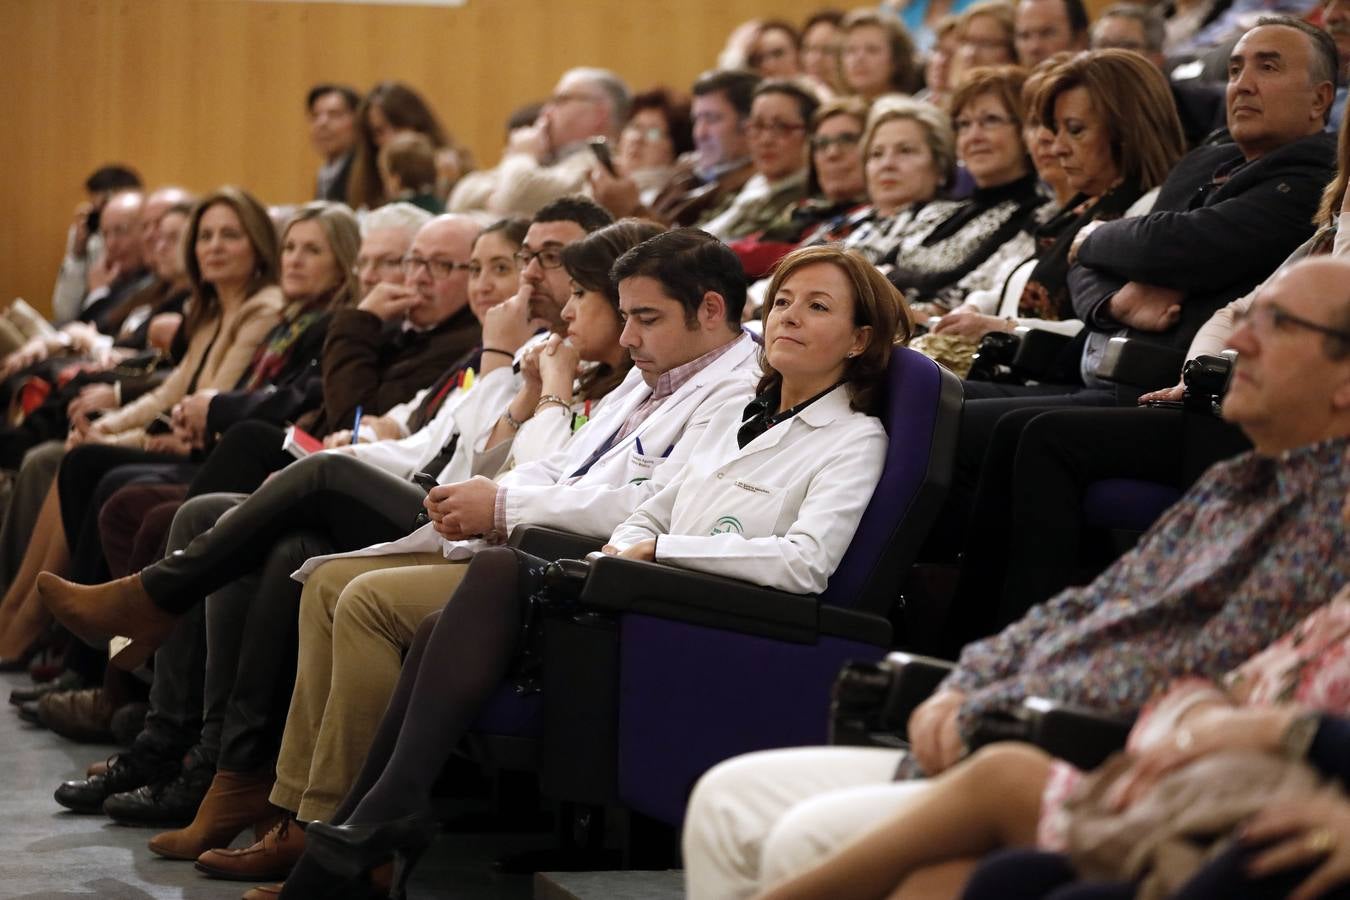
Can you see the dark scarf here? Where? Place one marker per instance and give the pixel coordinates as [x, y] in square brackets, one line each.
[274, 353]
[1046, 295]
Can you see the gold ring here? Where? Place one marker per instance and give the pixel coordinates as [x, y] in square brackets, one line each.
[1321, 841]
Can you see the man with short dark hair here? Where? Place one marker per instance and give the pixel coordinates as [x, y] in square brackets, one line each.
[1042, 28]
[705, 180]
[332, 134]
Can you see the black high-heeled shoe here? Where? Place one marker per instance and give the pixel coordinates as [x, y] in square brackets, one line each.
[351, 850]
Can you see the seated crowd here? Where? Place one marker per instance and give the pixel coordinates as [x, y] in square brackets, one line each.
[276, 462]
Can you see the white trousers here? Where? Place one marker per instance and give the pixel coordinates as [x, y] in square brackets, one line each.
[759, 818]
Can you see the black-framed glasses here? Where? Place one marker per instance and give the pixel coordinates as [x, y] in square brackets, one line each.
[549, 257]
[987, 122]
[822, 142]
[440, 269]
[1265, 318]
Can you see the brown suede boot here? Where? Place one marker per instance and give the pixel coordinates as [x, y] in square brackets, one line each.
[235, 801]
[263, 892]
[97, 612]
[271, 857]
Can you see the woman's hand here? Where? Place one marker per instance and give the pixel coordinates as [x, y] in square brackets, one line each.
[933, 736]
[1172, 394]
[558, 365]
[93, 434]
[967, 322]
[529, 372]
[1208, 730]
[643, 551]
[1303, 833]
[189, 416]
[92, 397]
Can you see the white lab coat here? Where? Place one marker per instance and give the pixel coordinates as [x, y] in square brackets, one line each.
[779, 512]
[548, 493]
[468, 412]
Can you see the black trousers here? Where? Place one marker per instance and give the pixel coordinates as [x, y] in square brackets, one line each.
[353, 504]
[1026, 539]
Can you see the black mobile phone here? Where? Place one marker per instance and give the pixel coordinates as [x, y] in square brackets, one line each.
[424, 481]
[600, 147]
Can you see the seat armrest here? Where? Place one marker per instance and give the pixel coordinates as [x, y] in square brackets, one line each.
[873, 701]
[1038, 352]
[626, 585]
[552, 543]
[1075, 734]
[1140, 364]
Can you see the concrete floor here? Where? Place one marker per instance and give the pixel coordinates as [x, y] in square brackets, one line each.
[50, 853]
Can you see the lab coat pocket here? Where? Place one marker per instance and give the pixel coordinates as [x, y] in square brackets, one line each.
[745, 507]
[641, 466]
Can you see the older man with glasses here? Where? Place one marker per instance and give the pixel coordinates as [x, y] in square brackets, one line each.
[549, 159]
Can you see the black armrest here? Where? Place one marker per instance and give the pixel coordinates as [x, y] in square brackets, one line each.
[625, 585]
[1081, 736]
[1140, 364]
[873, 701]
[1038, 352]
[550, 543]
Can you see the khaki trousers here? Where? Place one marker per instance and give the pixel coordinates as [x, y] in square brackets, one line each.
[357, 619]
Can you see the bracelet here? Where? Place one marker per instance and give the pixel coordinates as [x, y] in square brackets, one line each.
[552, 398]
[511, 420]
[506, 353]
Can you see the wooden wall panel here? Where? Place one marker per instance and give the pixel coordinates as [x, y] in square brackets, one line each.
[202, 92]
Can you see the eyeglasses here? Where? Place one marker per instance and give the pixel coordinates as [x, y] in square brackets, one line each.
[549, 257]
[1265, 318]
[570, 97]
[987, 122]
[440, 269]
[385, 264]
[822, 142]
[651, 135]
[775, 128]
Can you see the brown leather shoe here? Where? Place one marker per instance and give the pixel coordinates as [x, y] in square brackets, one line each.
[97, 768]
[83, 715]
[97, 612]
[272, 857]
[263, 892]
[234, 801]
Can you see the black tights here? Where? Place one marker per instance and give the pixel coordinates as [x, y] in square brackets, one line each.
[457, 660]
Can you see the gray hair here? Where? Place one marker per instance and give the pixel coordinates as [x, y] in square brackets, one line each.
[614, 89]
[936, 125]
[1155, 27]
[400, 215]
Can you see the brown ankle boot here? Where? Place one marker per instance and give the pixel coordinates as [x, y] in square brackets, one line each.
[271, 857]
[235, 801]
[97, 612]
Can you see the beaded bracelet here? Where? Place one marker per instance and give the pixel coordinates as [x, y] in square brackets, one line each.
[552, 398]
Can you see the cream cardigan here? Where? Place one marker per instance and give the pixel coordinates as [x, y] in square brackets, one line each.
[222, 350]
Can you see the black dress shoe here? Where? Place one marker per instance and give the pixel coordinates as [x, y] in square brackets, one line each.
[126, 772]
[168, 803]
[30, 712]
[66, 681]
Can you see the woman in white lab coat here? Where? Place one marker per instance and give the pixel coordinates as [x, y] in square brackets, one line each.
[773, 494]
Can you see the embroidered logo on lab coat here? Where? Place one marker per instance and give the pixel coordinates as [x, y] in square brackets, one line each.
[727, 525]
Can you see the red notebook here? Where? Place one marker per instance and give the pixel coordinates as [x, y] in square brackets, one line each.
[300, 443]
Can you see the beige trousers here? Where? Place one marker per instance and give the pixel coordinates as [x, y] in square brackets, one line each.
[357, 619]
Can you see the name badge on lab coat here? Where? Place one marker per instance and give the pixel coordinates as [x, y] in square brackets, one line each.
[748, 508]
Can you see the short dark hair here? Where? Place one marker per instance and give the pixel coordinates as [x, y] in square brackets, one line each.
[674, 109]
[512, 228]
[807, 101]
[829, 14]
[737, 85]
[590, 215]
[114, 177]
[1323, 64]
[589, 260]
[688, 263]
[349, 95]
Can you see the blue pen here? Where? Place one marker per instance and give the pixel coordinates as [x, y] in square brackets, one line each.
[638, 441]
[667, 453]
[356, 426]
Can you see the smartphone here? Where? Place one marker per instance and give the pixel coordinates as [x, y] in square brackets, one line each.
[600, 147]
[424, 481]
